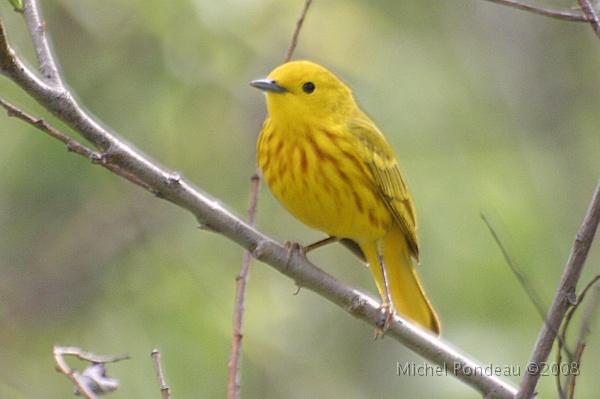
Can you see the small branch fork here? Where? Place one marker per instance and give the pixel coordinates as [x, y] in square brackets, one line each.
[73, 145]
[567, 389]
[591, 15]
[565, 296]
[93, 381]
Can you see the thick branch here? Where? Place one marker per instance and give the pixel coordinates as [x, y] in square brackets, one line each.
[212, 216]
[564, 298]
[306, 275]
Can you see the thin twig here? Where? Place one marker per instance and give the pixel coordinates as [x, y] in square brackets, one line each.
[571, 312]
[74, 376]
[87, 356]
[72, 145]
[546, 11]
[6, 54]
[565, 296]
[234, 383]
[591, 15]
[529, 290]
[297, 31]
[79, 380]
[579, 354]
[583, 330]
[165, 390]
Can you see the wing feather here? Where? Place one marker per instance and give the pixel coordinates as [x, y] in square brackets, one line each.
[383, 164]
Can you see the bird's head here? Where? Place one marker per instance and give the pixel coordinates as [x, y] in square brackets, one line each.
[305, 92]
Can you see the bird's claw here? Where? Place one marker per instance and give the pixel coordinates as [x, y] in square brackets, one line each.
[386, 315]
[293, 247]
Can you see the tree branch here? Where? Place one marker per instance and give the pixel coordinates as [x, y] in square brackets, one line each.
[569, 385]
[299, 24]
[37, 30]
[93, 382]
[546, 11]
[591, 15]
[72, 145]
[165, 390]
[306, 275]
[234, 383]
[564, 298]
[54, 96]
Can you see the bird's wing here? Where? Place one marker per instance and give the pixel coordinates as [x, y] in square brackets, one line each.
[383, 164]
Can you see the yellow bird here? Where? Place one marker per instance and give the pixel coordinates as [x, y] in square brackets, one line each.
[331, 167]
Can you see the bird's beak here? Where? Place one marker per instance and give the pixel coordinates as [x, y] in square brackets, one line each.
[268, 85]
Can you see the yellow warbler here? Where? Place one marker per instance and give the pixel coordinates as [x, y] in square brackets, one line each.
[331, 167]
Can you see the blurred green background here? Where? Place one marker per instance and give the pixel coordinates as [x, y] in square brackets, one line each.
[490, 110]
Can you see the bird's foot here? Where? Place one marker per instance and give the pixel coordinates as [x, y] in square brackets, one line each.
[290, 248]
[294, 247]
[386, 315]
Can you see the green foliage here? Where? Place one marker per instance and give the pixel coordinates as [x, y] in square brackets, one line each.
[489, 110]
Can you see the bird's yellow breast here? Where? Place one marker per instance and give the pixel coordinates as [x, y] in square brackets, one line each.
[321, 180]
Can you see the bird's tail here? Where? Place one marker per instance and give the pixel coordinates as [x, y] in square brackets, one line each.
[392, 255]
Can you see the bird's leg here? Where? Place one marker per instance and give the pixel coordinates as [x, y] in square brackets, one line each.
[320, 244]
[386, 310]
[291, 247]
[351, 245]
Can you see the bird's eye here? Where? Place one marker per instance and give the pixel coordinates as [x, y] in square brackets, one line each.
[308, 87]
